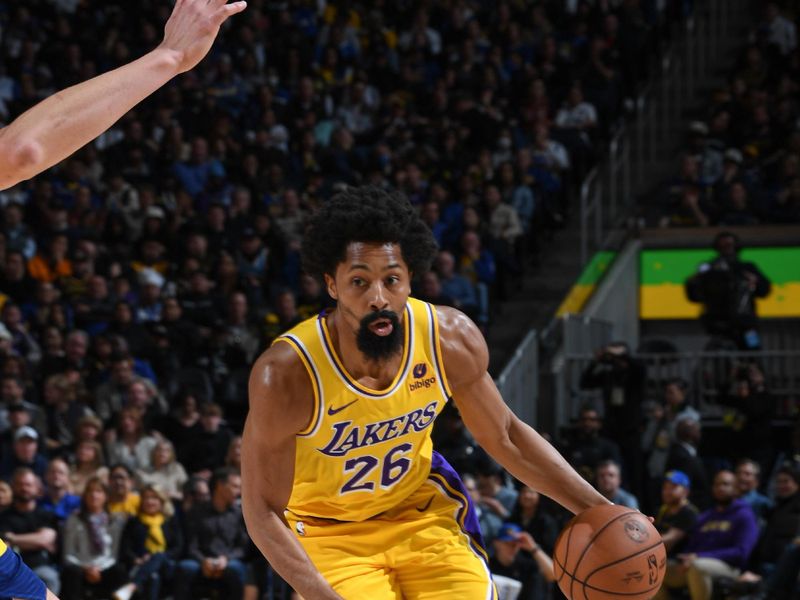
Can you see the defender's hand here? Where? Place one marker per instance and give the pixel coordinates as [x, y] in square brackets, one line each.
[193, 27]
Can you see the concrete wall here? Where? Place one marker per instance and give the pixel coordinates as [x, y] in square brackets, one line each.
[616, 299]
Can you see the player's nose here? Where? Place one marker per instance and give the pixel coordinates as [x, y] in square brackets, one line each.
[378, 300]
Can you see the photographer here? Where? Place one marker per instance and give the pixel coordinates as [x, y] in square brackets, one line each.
[621, 378]
[728, 288]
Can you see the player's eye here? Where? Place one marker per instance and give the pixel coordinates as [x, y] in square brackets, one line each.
[391, 280]
[358, 282]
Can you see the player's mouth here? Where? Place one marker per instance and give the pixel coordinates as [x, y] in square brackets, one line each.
[381, 327]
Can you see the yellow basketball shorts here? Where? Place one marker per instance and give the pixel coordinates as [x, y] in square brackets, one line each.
[428, 547]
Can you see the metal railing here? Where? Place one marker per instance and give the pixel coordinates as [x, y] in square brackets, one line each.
[519, 381]
[637, 151]
[707, 373]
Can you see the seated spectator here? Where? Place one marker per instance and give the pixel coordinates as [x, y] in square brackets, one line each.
[282, 318]
[495, 495]
[110, 397]
[91, 546]
[454, 441]
[24, 453]
[608, 480]
[207, 450]
[478, 265]
[233, 458]
[15, 281]
[131, 445]
[50, 263]
[518, 556]
[676, 516]
[165, 472]
[719, 545]
[195, 492]
[783, 523]
[64, 408]
[182, 425]
[753, 409]
[17, 416]
[431, 290]
[13, 393]
[542, 527]
[216, 541]
[683, 457]
[58, 496]
[585, 448]
[748, 479]
[32, 529]
[89, 463]
[152, 542]
[122, 498]
[488, 521]
[455, 286]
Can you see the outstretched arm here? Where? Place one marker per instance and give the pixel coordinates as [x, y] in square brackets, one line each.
[521, 450]
[280, 406]
[69, 119]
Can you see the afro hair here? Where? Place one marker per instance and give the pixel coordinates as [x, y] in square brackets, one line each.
[366, 214]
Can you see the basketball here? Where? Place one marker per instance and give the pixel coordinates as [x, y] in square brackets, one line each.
[609, 552]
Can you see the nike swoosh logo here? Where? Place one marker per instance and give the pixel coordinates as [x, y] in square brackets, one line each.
[427, 505]
[332, 411]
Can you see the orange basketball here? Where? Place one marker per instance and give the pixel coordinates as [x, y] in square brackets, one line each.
[609, 552]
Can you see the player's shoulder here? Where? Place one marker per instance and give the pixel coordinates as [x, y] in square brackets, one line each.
[464, 351]
[278, 376]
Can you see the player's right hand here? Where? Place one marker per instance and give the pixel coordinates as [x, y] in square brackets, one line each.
[193, 27]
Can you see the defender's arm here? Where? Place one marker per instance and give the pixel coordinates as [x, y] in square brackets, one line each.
[69, 119]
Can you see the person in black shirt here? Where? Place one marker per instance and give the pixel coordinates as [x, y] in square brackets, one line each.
[621, 377]
[677, 515]
[518, 556]
[216, 541]
[727, 288]
[31, 529]
[586, 448]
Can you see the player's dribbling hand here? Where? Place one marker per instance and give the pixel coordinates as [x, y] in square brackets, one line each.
[193, 26]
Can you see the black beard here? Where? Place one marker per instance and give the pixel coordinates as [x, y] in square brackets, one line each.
[377, 347]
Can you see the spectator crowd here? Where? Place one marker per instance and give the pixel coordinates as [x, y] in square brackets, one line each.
[141, 277]
[740, 164]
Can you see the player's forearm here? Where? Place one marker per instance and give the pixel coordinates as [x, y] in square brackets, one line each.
[59, 125]
[44, 539]
[545, 564]
[533, 460]
[285, 554]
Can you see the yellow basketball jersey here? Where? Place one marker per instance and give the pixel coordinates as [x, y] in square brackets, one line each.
[366, 450]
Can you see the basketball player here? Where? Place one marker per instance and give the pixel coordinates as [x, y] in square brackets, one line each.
[63, 123]
[342, 490]
[59, 125]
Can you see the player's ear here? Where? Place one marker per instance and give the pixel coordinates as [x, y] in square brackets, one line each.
[330, 284]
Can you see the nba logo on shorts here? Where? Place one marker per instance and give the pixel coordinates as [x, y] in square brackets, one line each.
[301, 528]
[419, 370]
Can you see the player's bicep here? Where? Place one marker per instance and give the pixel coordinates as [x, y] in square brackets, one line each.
[466, 358]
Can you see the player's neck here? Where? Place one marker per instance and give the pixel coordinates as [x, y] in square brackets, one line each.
[375, 374]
